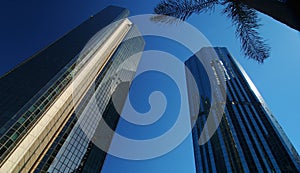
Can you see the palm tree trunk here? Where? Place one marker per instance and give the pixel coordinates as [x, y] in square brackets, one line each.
[286, 12]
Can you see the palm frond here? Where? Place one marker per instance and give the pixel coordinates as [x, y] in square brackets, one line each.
[246, 21]
[244, 18]
[185, 8]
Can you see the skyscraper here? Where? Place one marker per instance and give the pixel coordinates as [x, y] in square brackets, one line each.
[248, 138]
[53, 103]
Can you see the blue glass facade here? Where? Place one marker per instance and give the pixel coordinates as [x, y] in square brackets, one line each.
[74, 150]
[248, 139]
[29, 90]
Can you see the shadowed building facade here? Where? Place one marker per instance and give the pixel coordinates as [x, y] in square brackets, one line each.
[248, 138]
[54, 104]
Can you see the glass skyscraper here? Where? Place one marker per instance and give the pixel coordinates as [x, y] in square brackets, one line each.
[54, 104]
[248, 138]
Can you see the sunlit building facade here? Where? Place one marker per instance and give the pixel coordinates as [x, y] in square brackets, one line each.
[248, 138]
[54, 104]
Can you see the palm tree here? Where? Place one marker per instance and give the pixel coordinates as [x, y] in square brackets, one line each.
[244, 18]
[285, 11]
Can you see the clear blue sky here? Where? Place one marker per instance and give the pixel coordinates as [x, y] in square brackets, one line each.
[27, 27]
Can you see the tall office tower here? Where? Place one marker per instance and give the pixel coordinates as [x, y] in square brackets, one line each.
[248, 138]
[55, 105]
